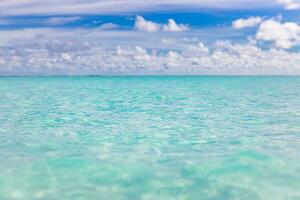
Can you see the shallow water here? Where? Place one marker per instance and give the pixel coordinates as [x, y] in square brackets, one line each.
[150, 138]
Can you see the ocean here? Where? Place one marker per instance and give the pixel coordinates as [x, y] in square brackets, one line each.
[152, 137]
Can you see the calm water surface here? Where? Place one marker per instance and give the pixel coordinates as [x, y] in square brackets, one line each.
[91, 138]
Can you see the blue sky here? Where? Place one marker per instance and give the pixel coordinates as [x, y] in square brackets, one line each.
[165, 37]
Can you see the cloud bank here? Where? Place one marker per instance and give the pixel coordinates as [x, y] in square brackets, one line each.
[59, 57]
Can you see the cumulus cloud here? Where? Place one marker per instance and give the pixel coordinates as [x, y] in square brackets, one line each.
[223, 57]
[290, 4]
[172, 26]
[245, 23]
[142, 24]
[65, 52]
[283, 35]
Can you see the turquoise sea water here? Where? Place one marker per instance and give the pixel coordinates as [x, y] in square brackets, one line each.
[91, 138]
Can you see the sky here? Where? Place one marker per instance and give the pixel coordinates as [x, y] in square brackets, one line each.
[149, 37]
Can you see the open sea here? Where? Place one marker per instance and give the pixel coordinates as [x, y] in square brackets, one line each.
[150, 138]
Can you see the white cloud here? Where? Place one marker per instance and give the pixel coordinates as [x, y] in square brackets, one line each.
[55, 56]
[58, 7]
[245, 23]
[66, 52]
[11, 36]
[284, 35]
[37, 21]
[61, 20]
[66, 57]
[143, 25]
[172, 26]
[108, 26]
[290, 4]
